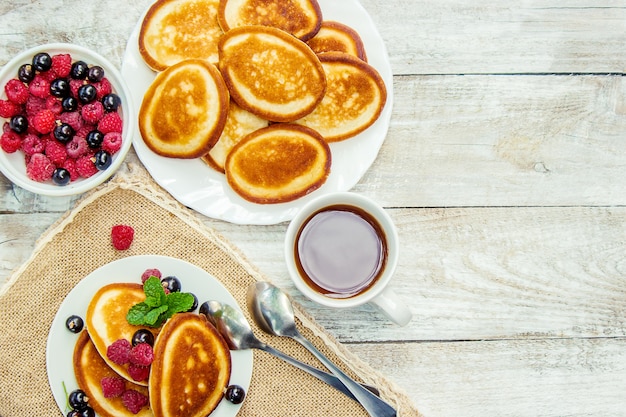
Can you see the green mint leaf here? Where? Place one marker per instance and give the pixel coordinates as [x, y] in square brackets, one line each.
[137, 314]
[152, 317]
[154, 291]
[178, 302]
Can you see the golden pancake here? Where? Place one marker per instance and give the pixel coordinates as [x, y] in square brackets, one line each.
[106, 320]
[354, 99]
[337, 37]
[191, 368]
[301, 18]
[278, 164]
[239, 123]
[90, 368]
[184, 110]
[271, 73]
[176, 30]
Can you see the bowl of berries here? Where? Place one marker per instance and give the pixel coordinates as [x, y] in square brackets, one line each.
[66, 119]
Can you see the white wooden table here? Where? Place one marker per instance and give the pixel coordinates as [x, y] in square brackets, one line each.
[505, 170]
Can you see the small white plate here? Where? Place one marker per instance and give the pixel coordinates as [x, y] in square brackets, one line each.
[196, 185]
[60, 347]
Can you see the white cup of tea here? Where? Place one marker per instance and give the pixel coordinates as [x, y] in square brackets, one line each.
[341, 251]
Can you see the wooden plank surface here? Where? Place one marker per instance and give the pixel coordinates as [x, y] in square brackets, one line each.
[504, 171]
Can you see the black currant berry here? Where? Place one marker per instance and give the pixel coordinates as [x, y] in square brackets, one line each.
[78, 400]
[143, 336]
[19, 123]
[94, 139]
[103, 160]
[42, 62]
[79, 70]
[87, 93]
[95, 74]
[204, 309]
[60, 88]
[74, 323]
[195, 303]
[69, 104]
[63, 132]
[26, 73]
[171, 283]
[111, 102]
[235, 394]
[61, 176]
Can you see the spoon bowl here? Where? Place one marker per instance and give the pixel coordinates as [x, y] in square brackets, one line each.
[236, 331]
[273, 312]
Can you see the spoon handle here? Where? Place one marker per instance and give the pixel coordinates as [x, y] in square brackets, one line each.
[374, 405]
[330, 379]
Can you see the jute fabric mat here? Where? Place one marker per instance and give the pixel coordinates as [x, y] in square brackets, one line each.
[79, 243]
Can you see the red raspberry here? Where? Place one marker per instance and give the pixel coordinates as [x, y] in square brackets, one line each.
[9, 109]
[152, 272]
[49, 76]
[39, 87]
[75, 85]
[134, 401]
[73, 119]
[32, 144]
[92, 112]
[34, 105]
[110, 122]
[44, 121]
[118, 351]
[122, 236]
[16, 91]
[112, 142]
[56, 151]
[141, 354]
[103, 88]
[61, 65]
[70, 165]
[39, 168]
[84, 131]
[112, 386]
[77, 147]
[85, 166]
[138, 373]
[10, 142]
[53, 104]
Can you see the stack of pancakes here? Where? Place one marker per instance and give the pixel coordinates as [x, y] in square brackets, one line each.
[287, 83]
[190, 370]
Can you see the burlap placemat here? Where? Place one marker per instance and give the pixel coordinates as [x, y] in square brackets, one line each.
[79, 243]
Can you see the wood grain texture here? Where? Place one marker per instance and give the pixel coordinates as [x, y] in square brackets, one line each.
[504, 171]
[479, 37]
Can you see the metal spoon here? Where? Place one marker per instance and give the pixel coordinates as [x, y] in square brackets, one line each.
[273, 312]
[237, 333]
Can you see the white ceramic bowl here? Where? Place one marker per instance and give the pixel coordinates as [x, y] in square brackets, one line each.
[13, 165]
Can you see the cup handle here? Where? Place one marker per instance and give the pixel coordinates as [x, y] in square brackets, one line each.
[390, 304]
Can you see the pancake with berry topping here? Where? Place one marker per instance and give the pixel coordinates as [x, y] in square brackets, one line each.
[184, 110]
[104, 387]
[300, 18]
[191, 368]
[176, 30]
[107, 324]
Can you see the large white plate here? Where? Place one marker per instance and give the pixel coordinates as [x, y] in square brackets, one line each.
[203, 189]
[60, 347]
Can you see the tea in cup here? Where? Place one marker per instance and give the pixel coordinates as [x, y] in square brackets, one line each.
[342, 250]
